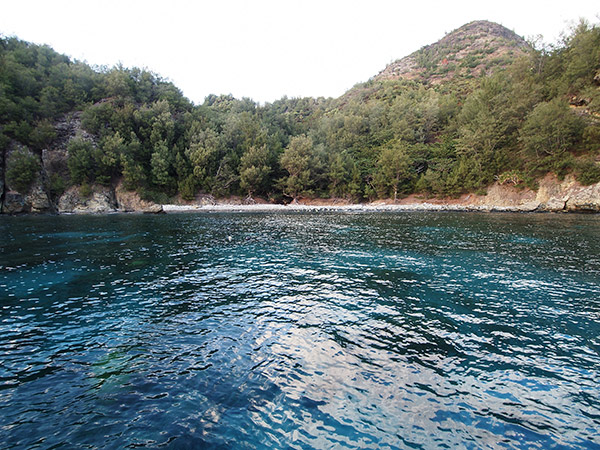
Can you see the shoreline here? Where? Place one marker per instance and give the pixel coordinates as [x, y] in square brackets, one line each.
[553, 195]
[366, 207]
[322, 207]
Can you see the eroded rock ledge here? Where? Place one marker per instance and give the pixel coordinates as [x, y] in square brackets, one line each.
[103, 199]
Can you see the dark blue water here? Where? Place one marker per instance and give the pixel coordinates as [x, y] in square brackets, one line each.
[412, 330]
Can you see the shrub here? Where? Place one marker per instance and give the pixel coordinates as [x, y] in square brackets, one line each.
[550, 129]
[85, 190]
[513, 177]
[22, 170]
[80, 160]
[588, 172]
[187, 188]
[57, 185]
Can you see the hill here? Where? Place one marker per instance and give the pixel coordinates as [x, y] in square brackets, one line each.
[478, 108]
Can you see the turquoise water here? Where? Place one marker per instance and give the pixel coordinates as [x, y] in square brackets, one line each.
[411, 330]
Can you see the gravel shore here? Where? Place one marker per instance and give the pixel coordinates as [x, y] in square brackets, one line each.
[368, 207]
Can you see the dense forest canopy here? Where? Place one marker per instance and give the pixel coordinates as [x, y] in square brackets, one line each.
[537, 111]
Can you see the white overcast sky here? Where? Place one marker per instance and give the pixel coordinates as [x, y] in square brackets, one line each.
[265, 49]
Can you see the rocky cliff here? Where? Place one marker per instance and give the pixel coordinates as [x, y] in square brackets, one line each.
[43, 189]
[552, 195]
[24, 186]
[567, 195]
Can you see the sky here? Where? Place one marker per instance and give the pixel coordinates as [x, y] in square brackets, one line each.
[265, 49]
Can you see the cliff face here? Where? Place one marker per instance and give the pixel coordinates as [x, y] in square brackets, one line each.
[45, 193]
[23, 194]
[553, 194]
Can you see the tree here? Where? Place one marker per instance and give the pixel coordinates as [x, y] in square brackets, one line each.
[22, 170]
[255, 169]
[202, 153]
[132, 159]
[80, 160]
[393, 168]
[340, 171]
[107, 157]
[42, 135]
[161, 165]
[296, 161]
[550, 129]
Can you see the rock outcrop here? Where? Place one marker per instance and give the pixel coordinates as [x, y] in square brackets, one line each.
[99, 199]
[130, 201]
[553, 195]
[33, 196]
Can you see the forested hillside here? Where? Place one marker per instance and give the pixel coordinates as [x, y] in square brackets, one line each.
[479, 106]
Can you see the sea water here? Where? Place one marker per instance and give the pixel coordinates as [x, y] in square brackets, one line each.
[407, 330]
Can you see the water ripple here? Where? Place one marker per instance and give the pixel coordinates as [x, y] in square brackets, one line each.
[389, 331]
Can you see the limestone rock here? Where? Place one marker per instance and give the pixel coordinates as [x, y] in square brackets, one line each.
[38, 199]
[130, 201]
[504, 197]
[554, 205]
[529, 206]
[101, 200]
[34, 198]
[552, 193]
[14, 203]
[584, 199]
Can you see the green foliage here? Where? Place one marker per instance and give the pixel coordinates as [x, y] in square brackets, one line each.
[550, 129]
[202, 152]
[107, 156]
[255, 167]
[383, 138]
[343, 176]
[22, 170]
[57, 185]
[85, 190]
[161, 165]
[296, 161]
[80, 160]
[187, 188]
[582, 60]
[511, 177]
[153, 195]
[42, 135]
[393, 170]
[588, 172]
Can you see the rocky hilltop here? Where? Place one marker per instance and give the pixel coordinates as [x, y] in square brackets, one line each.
[477, 48]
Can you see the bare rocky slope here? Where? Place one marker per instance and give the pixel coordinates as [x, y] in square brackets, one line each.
[471, 50]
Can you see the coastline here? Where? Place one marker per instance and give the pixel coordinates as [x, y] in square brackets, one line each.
[552, 195]
[359, 207]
